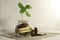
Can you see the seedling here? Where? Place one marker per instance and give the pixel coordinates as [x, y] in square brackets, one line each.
[23, 10]
[24, 26]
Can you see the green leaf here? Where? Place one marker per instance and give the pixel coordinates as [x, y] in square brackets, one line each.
[28, 14]
[28, 7]
[22, 10]
[20, 5]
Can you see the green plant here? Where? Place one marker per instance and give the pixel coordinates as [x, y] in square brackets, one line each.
[23, 9]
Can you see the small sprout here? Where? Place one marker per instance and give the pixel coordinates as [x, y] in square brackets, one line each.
[24, 9]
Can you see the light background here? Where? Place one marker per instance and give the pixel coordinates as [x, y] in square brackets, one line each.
[45, 14]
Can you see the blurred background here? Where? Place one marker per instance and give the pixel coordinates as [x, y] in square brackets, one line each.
[45, 14]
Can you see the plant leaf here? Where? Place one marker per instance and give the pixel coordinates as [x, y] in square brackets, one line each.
[22, 10]
[20, 5]
[28, 7]
[28, 14]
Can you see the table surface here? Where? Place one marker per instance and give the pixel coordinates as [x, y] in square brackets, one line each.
[11, 36]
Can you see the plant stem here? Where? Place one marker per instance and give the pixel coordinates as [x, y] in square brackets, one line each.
[22, 18]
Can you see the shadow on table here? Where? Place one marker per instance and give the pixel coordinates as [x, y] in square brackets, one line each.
[12, 36]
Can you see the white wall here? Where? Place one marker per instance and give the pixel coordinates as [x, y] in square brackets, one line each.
[48, 15]
[45, 14]
[8, 14]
